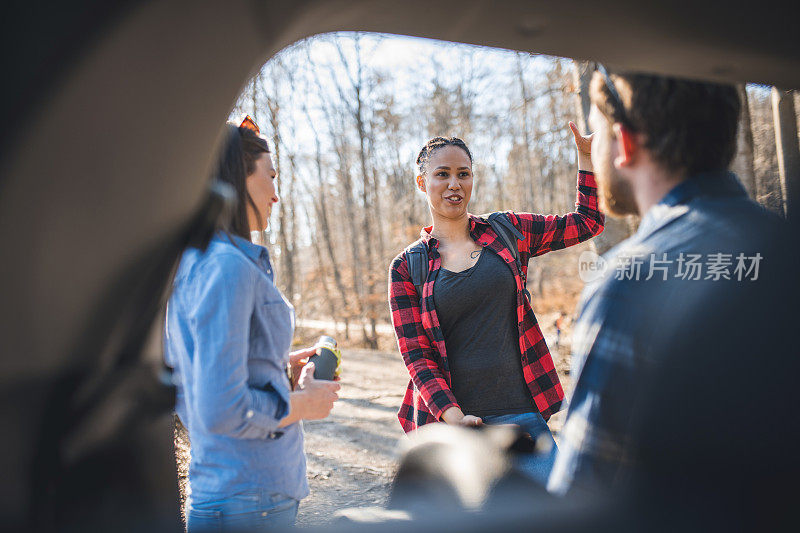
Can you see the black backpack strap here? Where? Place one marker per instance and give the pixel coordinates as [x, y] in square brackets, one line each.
[509, 234]
[506, 231]
[417, 257]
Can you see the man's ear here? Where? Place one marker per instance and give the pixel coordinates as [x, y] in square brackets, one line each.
[421, 183]
[627, 145]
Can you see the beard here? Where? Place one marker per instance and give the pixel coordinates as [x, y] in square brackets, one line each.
[614, 192]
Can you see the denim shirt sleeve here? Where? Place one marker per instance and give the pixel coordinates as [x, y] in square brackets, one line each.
[220, 317]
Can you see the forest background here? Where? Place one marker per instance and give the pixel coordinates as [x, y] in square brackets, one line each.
[346, 114]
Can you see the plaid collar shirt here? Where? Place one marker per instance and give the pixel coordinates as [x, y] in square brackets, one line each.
[419, 335]
[626, 328]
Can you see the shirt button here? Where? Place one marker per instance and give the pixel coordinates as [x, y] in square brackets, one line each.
[249, 413]
[264, 513]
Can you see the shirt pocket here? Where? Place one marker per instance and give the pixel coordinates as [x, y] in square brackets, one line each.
[271, 332]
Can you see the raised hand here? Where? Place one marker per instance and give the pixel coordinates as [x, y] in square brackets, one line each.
[584, 145]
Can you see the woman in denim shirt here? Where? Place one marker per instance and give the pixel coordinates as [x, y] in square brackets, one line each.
[228, 335]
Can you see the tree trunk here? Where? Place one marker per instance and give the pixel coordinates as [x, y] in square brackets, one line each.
[367, 231]
[287, 234]
[324, 227]
[786, 142]
[797, 107]
[355, 303]
[529, 179]
[323, 275]
[285, 242]
[367, 191]
[743, 164]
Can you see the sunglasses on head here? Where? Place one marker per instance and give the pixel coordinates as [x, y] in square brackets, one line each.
[250, 124]
[615, 97]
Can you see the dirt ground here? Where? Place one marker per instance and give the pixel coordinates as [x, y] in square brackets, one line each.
[352, 454]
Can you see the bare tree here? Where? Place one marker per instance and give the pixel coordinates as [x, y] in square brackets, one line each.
[768, 191]
[335, 121]
[785, 120]
[529, 176]
[353, 182]
[370, 228]
[399, 182]
[285, 241]
[321, 194]
[744, 163]
[285, 185]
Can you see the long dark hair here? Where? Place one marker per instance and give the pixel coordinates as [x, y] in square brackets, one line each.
[237, 160]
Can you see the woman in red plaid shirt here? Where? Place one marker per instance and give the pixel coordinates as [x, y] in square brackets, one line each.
[470, 341]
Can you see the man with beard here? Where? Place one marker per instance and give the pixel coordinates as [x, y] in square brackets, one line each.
[665, 349]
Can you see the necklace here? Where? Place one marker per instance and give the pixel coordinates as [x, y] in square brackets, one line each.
[475, 254]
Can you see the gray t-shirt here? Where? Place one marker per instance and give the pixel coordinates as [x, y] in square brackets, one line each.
[478, 314]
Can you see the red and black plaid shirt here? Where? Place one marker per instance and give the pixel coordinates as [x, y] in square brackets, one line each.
[419, 335]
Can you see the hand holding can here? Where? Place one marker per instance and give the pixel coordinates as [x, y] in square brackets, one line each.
[327, 359]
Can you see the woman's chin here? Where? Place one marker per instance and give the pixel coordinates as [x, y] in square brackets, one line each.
[453, 211]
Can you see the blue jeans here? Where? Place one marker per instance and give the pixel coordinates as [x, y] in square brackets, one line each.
[250, 511]
[536, 465]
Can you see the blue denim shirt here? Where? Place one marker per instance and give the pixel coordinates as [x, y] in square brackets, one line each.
[623, 333]
[228, 334]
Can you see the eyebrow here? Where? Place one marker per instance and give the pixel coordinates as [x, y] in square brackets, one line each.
[448, 168]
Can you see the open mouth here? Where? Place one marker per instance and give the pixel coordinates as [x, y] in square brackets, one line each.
[454, 199]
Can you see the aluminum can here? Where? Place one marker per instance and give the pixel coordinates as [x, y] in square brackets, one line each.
[327, 359]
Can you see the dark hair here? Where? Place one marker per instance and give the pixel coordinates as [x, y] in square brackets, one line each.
[436, 143]
[689, 126]
[237, 160]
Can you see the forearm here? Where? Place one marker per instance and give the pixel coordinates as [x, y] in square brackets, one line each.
[432, 385]
[544, 233]
[585, 162]
[588, 218]
[246, 414]
[413, 342]
[296, 408]
[453, 415]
